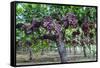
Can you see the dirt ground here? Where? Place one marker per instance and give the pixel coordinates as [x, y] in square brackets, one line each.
[50, 57]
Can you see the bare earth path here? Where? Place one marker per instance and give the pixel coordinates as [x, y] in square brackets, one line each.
[47, 58]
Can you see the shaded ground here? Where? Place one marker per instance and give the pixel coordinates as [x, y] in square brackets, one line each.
[51, 57]
[46, 60]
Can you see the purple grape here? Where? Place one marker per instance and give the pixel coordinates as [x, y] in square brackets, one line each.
[66, 23]
[35, 24]
[57, 28]
[85, 27]
[70, 19]
[47, 22]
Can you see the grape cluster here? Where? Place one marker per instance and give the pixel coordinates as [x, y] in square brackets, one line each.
[57, 28]
[48, 22]
[85, 28]
[35, 24]
[65, 22]
[70, 19]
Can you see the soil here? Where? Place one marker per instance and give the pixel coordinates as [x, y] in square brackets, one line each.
[22, 58]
